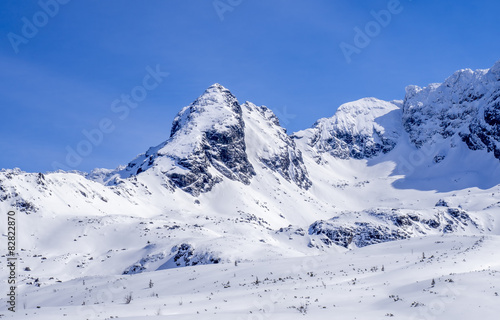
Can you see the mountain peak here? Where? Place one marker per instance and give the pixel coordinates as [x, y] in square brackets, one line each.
[216, 107]
[206, 144]
[216, 93]
[217, 86]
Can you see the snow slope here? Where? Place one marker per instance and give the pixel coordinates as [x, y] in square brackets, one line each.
[437, 277]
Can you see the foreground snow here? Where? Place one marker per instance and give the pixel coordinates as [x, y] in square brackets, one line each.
[392, 279]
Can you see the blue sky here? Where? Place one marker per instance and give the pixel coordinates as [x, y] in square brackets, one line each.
[62, 67]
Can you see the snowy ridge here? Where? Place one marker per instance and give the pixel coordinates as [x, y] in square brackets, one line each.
[359, 129]
[269, 144]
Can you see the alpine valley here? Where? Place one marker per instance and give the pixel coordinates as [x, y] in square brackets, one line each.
[385, 209]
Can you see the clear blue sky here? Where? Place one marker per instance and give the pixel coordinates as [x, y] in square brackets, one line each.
[285, 54]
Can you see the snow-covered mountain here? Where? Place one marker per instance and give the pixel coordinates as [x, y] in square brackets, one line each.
[209, 141]
[465, 107]
[360, 129]
[229, 185]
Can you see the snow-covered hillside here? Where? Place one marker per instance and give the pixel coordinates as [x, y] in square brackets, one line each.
[423, 278]
[230, 187]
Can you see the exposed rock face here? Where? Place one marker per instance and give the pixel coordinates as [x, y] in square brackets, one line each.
[270, 145]
[222, 141]
[181, 255]
[143, 264]
[207, 143]
[185, 255]
[466, 106]
[360, 129]
[361, 234]
[382, 225]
